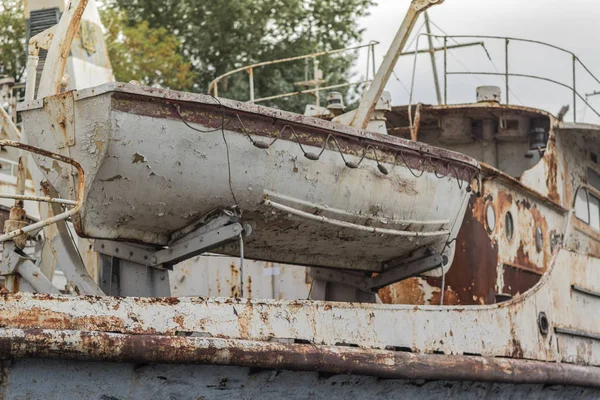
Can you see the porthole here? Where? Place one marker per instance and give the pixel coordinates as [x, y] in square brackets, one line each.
[543, 323]
[509, 226]
[490, 217]
[539, 239]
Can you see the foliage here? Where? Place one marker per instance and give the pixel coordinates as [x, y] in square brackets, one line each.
[12, 38]
[217, 36]
[151, 56]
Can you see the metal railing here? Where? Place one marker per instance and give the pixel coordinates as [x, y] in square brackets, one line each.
[213, 87]
[507, 74]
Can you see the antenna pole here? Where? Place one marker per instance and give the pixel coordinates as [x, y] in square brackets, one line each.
[436, 79]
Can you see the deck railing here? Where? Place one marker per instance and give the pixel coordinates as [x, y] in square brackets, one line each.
[213, 87]
[508, 72]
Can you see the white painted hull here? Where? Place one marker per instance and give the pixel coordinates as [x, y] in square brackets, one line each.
[149, 175]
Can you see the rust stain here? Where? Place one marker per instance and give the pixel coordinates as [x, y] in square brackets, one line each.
[408, 291]
[552, 170]
[474, 269]
[518, 281]
[179, 320]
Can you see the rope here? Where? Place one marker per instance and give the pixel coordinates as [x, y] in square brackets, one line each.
[425, 159]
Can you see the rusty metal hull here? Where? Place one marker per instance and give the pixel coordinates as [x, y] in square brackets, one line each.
[54, 380]
[495, 346]
[144, 156]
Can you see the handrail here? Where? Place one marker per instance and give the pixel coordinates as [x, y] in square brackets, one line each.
[350, 225]
[507, 74]
[49, 221]
[213, 85]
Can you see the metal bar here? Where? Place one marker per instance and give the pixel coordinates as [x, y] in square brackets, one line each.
[526, 41]
[7, 125]
[38, 198]
[531, 77]
[587, 291]
[436, 49]
[56, 60]
[445, 70]
[251, 83]
[414, 131]
[315, 77]
[401, 272]
[344, 224]
[370, 98]
[261, 64]
[196, 245]
[574, 89]
[144, 349]
[577, 333]
[56, 218]
[594, 93]
[308, 91]
[506, 74]
[320, 209]
[436, 79]
[32, 64]
[32, 274]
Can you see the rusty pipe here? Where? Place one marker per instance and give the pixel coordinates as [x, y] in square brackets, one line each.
[116, 347]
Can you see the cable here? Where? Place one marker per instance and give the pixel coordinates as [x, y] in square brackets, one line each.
[400, 82]
[223, 123]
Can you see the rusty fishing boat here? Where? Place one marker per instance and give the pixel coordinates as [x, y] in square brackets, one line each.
[217, 248]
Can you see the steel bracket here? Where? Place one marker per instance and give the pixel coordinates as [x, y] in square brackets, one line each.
[214, 233]
[15, 262]
[423, 261]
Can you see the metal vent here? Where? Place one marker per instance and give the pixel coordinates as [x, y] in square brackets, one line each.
[39, 21]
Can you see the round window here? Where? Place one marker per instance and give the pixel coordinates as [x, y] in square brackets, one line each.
[509, 227]
[490, 217]
[539, 239]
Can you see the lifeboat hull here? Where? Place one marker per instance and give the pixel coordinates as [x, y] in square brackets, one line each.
[315, 192]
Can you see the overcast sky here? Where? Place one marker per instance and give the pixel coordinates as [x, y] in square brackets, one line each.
[571, 24]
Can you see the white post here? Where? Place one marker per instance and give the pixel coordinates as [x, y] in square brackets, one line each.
[370, 98]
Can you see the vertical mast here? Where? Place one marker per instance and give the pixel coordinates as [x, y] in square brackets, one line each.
[436, 79]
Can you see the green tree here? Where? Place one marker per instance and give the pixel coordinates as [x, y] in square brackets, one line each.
[151, 56]
[220, 35]
[12, 38]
